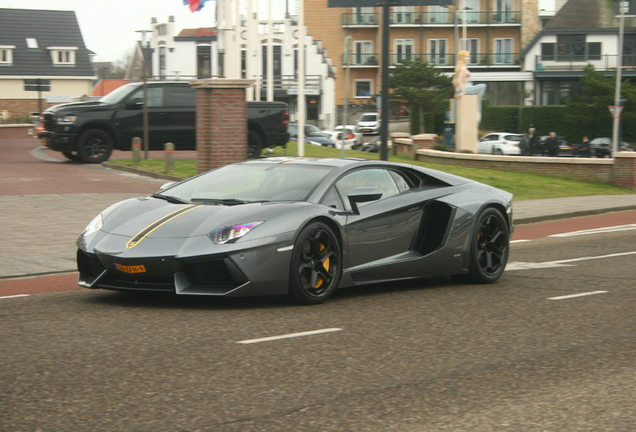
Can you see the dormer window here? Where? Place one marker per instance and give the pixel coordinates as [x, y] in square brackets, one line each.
[63, 56]
[32, 43]
[6, 54]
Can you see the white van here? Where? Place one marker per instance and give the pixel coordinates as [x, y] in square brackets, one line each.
[369, 123]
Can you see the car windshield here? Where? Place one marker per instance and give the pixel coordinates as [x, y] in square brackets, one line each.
[368, 117]
[251, 182]
[118, 94]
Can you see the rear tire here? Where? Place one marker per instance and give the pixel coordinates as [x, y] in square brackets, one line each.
[489, 247]
[94, 146]
[254, 145]
[316, 265]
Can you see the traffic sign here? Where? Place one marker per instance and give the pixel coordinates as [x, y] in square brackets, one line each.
[614, 112]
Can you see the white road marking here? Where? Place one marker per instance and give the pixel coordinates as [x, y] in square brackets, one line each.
[288, 336]
[577, 295]
[519, 241]
[15, 296]
[561, 263]
[596, 231]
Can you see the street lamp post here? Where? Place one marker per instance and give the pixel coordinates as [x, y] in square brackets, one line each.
[616, 114]
[144, 46]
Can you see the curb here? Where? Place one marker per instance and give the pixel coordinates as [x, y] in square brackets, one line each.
[553, 217]
[141, 172]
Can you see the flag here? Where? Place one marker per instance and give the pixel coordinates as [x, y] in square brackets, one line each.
[195, 5]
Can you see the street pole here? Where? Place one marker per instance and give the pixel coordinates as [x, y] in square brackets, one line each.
[345, 111]
[616, 114]
[384, 125]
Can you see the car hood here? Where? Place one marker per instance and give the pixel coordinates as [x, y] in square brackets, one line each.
[75, 106]
[156, 218]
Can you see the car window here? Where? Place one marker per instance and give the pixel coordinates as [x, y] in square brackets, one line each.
[180, 96]
[368, 117]
[374, 177]
[155, 96]
[488, 138]
[513, 137]
[333, 200]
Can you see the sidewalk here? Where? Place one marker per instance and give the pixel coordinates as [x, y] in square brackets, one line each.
[39, 231]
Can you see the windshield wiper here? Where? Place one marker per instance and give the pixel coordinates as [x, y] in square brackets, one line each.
[170, 198]
[225, 201]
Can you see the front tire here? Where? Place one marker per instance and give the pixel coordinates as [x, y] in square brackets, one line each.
[71, 156]
[316, 266]
[489, 248]
[94, 146]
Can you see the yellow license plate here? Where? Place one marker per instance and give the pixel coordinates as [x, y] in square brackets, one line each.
[44, 142]
[130, 269]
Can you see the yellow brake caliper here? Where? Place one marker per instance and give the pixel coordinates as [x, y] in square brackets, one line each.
[320, 280]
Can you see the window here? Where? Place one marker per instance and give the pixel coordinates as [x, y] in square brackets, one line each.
[180, 96]
[363, 88]
[37, 84]
[437, 15]
[503, 12]
[32, 43]
[403, 14]
[363, 53]
[437, 51]
[503, 51]
[162, 62]
[63, 55]
[277, 54]
[469, 11]
[403, 50]
[547, 51]
[204, 61]
[162, 30]
[570, 47]
[364, 15]
[375, 177]
[155, 96]
[6, 54]
[472, 46]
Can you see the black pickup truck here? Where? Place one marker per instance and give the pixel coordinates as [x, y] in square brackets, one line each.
[89, 131]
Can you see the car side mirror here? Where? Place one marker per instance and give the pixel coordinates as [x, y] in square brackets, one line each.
[362, 194]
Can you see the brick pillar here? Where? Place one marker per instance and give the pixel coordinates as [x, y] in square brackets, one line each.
[221, 122]
[423, 141]
[625, 170]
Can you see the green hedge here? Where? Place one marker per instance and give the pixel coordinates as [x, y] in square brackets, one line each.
[545, 118]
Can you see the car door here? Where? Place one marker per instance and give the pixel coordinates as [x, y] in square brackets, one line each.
[384, 228]
[485, 144]
[180, 121]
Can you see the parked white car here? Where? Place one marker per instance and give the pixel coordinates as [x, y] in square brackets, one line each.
[369, 123]
[499, 143]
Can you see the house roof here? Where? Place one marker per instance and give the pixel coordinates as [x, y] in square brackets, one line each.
[199, 34]
[587, 14]
[50, 28]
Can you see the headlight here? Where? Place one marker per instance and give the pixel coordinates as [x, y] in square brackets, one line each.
[232, 233]
[66, 119]
[94, 225]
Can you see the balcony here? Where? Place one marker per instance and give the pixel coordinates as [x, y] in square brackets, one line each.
[478, 60]
[360, 19]
[444, 18]
[361, 60]
[288, 84]
[605, 62]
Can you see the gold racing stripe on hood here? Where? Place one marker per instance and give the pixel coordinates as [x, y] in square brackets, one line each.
[138, 238]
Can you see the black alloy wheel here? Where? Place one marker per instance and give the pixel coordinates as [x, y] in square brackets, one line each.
[316, 265]
[94, 146]
[490, 246]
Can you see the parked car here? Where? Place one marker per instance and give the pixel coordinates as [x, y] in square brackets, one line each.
[313, 135]
[369, 123]
[299, 228]
[602, 147]
[354, 137]
[499, 143]
[565, 148]
[89, 131]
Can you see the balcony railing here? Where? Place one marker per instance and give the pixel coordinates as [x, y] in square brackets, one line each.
[578, 63]
[443, 17]
[366, 59]
[289, 83]
[448, 59]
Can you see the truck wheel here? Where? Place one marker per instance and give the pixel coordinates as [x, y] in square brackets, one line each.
[254, 145]
[71, 156]
[94, 146]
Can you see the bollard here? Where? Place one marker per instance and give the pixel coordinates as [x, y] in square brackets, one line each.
[169, 149]
[136, 149]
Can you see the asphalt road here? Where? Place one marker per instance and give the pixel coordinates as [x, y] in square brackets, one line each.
[418, 356]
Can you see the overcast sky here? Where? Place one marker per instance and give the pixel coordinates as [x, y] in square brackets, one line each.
[109, 26]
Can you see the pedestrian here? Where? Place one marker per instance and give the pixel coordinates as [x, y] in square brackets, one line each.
[584, 148]
[551, 145]
[533, 139]
[524, 146]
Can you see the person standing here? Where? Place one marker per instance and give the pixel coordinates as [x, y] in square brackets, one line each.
[524, 146]
[584, 148]
[551, 145]
[533, 139]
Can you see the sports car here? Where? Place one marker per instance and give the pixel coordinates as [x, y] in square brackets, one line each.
[300, 228]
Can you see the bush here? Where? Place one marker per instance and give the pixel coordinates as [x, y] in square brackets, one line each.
[443, 147]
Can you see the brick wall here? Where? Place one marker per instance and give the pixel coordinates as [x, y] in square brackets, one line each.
[619, 171]
[23, 107]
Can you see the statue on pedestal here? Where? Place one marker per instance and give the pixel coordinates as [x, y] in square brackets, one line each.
[462, 84]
